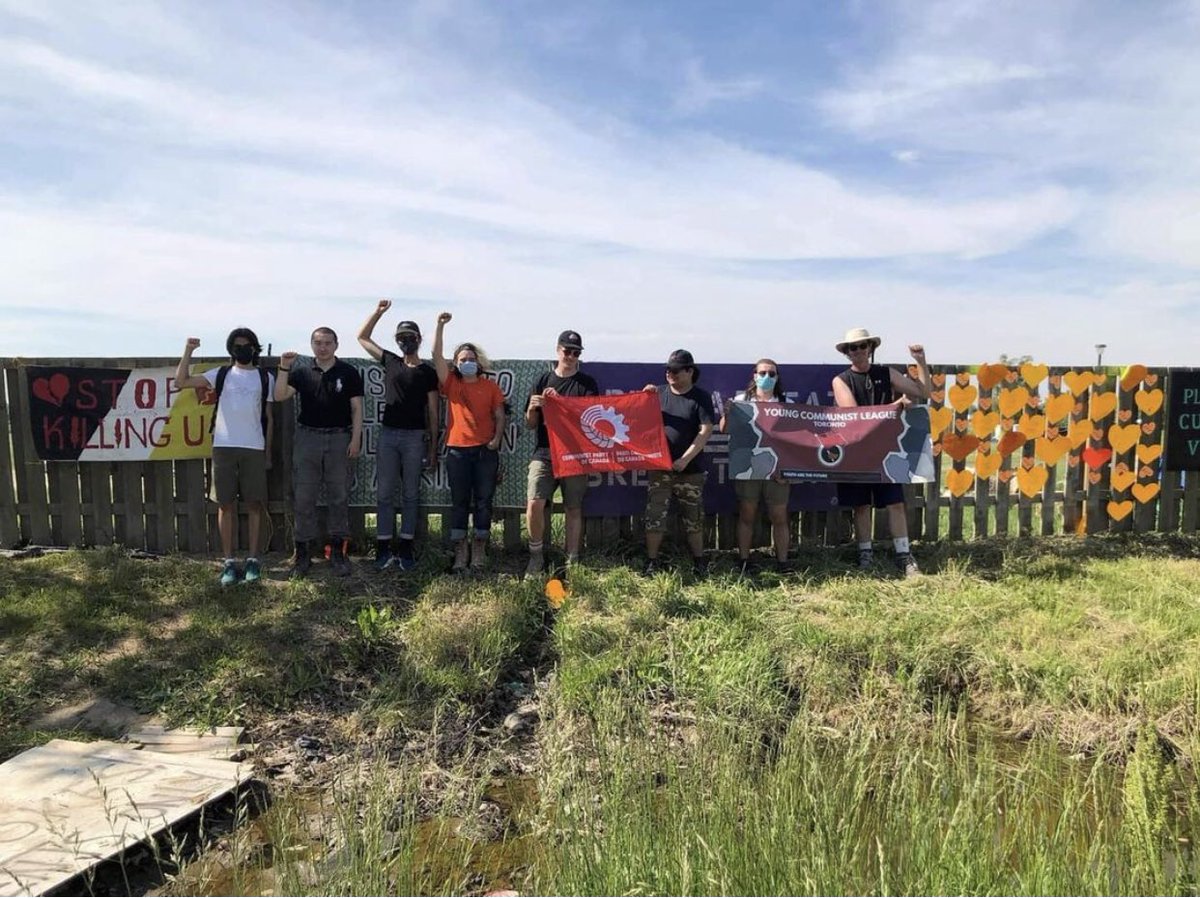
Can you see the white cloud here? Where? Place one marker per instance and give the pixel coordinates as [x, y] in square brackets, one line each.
[700, 91]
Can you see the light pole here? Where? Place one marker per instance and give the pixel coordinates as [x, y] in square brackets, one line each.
[1100, 347]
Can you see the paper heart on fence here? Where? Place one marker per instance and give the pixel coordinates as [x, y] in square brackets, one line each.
[1148, 427]
[1103, 405]
[1150, 380]
[1032, 480]
[1148, 401]
[1078, 432]
[937, 396]
[1094, 477]
[985, 403]
[959, 446]
[990, 375]
[987, 464]
[960, 425]
[959, 482]
[1058, 407]
[1010, 442]
[962, 378]
[1145, 472]
[1123, 438]
[1006, 475]
[1012, 401]
[1034, 374]
[939, 420]
[938, 379]
[1132, 376]
[1148, 452]
[1144, 492]
[961, 397]
[1095, 457]
[1119, 510]
[1052, 448]
[1124, 415]
[1122, 480]
[1077, 381]
[984, 423]
[53, 389]
[1033, 426]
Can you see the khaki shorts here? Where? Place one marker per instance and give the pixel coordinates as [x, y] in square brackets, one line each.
[542, 483]
[688, 490]
[239, 474]
[774, 492]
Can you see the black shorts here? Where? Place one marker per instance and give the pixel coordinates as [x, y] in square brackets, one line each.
[881, 495]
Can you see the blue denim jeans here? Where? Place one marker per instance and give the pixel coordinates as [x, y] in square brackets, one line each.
[400, 457]
[472, 472]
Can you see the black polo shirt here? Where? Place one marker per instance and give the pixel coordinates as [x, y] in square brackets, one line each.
[325, 395]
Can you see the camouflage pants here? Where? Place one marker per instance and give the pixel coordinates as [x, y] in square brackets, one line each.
[688, 492]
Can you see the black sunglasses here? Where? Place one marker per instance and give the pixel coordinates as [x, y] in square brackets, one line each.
[677, 368]
[569, 350]
[854, 347]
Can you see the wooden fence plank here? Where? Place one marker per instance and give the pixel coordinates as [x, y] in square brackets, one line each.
[129, 505]
[100, 530]
[66, 475]
[32, 495]
[194, 528]
[162, 475]
[10, 522]
[1098, 479]
[1124, 463]
[1149, 470]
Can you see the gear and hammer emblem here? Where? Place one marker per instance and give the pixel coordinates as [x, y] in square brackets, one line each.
[604, 426]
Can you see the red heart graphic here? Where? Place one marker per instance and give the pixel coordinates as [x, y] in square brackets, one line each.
[53, 390]
[1095, 458]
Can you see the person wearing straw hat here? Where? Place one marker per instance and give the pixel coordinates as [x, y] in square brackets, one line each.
[865, 383]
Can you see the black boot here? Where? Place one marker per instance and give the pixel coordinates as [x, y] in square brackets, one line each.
[337, 558]
[302, 562]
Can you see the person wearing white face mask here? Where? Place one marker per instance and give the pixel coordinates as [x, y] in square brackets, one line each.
[764, 386]
[475, 408]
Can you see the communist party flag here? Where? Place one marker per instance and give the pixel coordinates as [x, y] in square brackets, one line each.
[605, 433]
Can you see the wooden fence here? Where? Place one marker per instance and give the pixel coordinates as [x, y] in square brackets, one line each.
[1022, 451]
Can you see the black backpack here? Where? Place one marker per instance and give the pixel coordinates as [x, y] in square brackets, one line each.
[222, 373]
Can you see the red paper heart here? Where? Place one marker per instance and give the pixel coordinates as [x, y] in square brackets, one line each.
[52, 390]
[1094, 457]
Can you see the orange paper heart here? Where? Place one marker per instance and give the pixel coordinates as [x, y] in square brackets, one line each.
[984, 423]
[1006, 475]
[1132, 376]
[1032, 480]
[1150, 380]
[1145, 472]
[1124, 415]
[1122, 439]
[1033, 426]
[1012, 401]
[1050, 451]
[962, 378]
[1148, 453]
[1148, 427]
[1103, 405]
[1058, 407]
[959, 482]
[1148, 401]
[939, 420]
[990, 375]
[1122, 480]
[1119, 510]
[1034, 374]
[1078, 433]
[938, 379]
[962, 397]
[958, 447]
[1077, 381]
[1144, 492]
[1010, 442]
[987, 464]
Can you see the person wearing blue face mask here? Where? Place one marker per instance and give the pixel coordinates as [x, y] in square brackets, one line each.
[764, 386]
[475, 413]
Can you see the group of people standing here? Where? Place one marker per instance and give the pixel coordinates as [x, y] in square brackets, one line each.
[329, 437]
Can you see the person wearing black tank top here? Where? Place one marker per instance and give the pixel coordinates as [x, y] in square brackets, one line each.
[865, 383]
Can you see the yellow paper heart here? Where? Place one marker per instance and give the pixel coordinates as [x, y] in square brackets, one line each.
[1123, 438]
[1033, 426]
[1034, 374]
[959, 482]
[1119, 510]
[939, 420]
[1132, 376]
[1144, 492]
[1103, 405]
[1032, 480]
[987, 464]
[1122, 480]
[1078, 381]
[1050, 452]
[1058, 407]
[1147, 454]
[1012, 401]
[1148, 401]
[1079, 432]
[962, 397]
[984, 423]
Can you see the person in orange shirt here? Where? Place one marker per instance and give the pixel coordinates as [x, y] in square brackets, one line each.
[476, 425]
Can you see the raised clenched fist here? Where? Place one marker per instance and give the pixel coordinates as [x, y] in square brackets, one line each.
[384, 305]
[918, 352]
[444, 318]
[287, 358]
[193, 343]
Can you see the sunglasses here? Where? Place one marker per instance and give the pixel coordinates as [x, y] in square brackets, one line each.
[855, 347]
[568, 350]
[767, 373]
[679, 368]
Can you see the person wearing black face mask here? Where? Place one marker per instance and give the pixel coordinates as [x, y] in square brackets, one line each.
[408, 437]
[241, 439]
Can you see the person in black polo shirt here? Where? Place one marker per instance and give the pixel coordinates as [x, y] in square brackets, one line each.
[688, 420]
[865, 383]
[328, 439]
[564, 379]
[408, 439]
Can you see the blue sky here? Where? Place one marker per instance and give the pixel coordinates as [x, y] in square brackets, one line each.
[741, 179]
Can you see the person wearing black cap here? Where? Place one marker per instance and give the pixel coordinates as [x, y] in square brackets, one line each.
[408, 437]
[688, 419]
[564, 379]
[865, 383]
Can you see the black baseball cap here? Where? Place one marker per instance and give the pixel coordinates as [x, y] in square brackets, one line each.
[570, 339]
[681, 358]
[407, 327]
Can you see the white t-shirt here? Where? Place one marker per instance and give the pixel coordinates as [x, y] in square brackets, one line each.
[239, 411]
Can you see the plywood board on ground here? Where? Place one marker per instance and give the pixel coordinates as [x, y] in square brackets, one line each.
[67, 806]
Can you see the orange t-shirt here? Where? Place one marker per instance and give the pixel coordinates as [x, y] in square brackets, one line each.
[472, 409]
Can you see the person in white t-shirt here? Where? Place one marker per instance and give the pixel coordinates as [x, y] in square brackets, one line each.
[241, 440]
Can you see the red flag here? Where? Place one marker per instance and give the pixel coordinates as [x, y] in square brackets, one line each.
[606, 433]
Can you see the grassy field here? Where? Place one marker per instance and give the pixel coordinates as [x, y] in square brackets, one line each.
[1021, 719]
